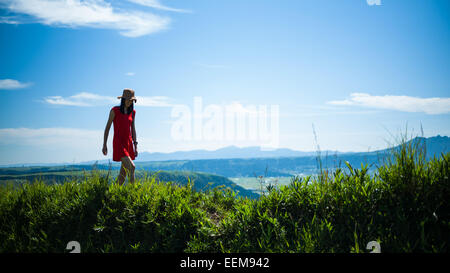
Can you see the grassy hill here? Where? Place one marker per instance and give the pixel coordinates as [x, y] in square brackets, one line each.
[202, 181]
[403, 206]
[199, 181]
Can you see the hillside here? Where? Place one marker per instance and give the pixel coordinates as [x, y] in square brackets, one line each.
[200, 181]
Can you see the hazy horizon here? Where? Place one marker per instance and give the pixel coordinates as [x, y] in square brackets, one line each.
[312, 152]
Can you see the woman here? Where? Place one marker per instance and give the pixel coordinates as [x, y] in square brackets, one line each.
[123, 118]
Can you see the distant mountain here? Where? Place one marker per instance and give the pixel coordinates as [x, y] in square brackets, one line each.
[222, 153]
[434, 146]
[292, 165]
[248, 167]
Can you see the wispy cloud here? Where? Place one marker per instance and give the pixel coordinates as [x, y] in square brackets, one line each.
[130, 74]
[12, 20]
[85, 99]
[10, 84]
[62, 144]
[374, 2]
[88, 13]
[81, 99]
[47, 136]
[157, 5]
[156, 101]
[432, 106]
[50, 145]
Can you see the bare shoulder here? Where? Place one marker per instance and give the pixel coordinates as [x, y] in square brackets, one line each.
[112, 114]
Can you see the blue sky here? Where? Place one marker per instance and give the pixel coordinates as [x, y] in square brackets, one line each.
[360, 71]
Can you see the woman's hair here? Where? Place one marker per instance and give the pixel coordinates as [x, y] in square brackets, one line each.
[122, 106]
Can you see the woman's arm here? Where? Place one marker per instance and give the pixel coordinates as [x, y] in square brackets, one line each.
[108, 126]
[133, 134]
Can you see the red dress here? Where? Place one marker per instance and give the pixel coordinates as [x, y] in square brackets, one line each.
[122, 141]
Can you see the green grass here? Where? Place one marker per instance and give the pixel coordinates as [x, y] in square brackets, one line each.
[403, 206]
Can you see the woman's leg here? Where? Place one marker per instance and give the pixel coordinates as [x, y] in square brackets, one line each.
[122, 175]
[129, 166]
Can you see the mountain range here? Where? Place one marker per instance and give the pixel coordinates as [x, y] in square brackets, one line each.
[434, 146]
[222, 153]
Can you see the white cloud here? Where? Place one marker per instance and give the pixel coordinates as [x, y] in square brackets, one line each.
[62, 101]
[432, 106]
[81, 99]
[47, 136]
[130, 74]
[12, 20]
[374, 2]
[60, 144]
[50, 145]
[9, 84]
[90, 99]
[87, 13]
[156, 101]
[156, 4]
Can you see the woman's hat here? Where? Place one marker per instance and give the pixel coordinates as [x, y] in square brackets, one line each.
[128, 94]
